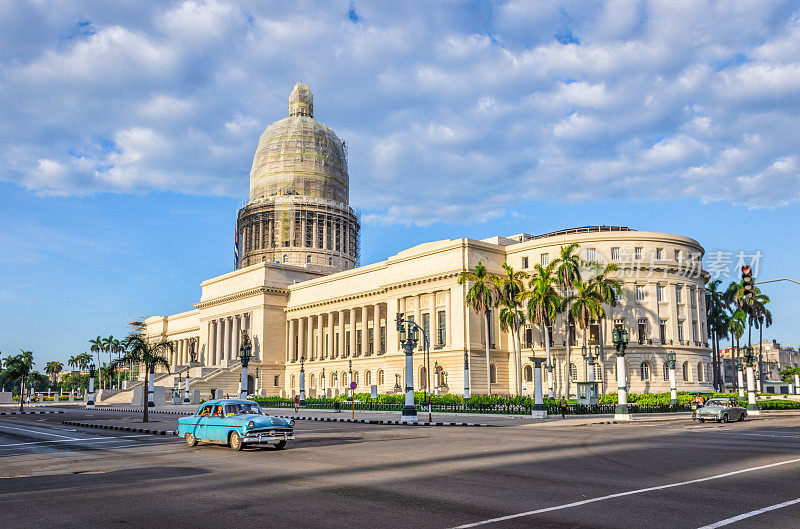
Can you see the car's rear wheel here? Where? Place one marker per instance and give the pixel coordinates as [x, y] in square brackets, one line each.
[742, 416]
[190, 439]
[725, 418]
[280, 445]
[701, 420]
[236, 441]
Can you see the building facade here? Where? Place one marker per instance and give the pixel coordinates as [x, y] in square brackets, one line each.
[307, 305]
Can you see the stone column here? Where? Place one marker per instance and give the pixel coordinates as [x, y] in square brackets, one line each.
[325, 234]
[364, 328]
[301, 343]
[376, 327]
[220, 340]
[212, 345]
[237, 333]
[310, 341]
[290, 342]
[392, 309]
[352, 332]
[320, 333]
[340, 346]
[330, 339]
[447, 331]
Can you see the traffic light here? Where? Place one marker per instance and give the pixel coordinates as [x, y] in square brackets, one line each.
[747, 282]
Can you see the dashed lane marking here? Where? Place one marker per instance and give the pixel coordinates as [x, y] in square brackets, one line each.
[742, 516]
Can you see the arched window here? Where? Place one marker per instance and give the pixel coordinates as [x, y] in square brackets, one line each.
[528, 374]
[573, 372]
[666, 371]
[380, 377]
[423, 379]
[285, 258]
[312, 382]
[699, 371]
[334, 380]
[344, 378]
[644, 371]
[708, 372]
[493, 373]
[598, 371]
[292, 381]
[368, 378]
[355, 377]
[686, 371]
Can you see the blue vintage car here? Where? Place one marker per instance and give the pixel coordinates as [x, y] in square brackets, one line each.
[235, 422]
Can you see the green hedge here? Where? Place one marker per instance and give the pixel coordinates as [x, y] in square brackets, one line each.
[779, 405]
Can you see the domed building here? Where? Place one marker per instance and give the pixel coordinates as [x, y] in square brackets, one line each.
[298, 210]
[313, 314]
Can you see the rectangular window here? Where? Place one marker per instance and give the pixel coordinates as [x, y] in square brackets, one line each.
[277, 380]
[591, 254]
[661, 293]
[618, 323]
[678, 294]
[358, 342]
[640, 292]
[347, 344]
[694, 331]
[545, 258]
[680, 332]
[370, 340]
[642, 328]
[637, 252]
[441, 328]
[677, 255]
[336, 344]
[594, 334]
[383, 340]
[524, 262]
[426, 326]
[659, 253]
[550, 334]
[692, 298]
[662, 331]
[528, 337]
[572, 338]
[615, 254]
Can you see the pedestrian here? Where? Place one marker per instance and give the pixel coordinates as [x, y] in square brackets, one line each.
[296, 403]
[563, 404]
[336, 407]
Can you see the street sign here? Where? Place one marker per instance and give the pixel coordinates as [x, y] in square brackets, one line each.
[353, 385]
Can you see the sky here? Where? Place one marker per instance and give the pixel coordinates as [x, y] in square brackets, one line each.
[127, 132]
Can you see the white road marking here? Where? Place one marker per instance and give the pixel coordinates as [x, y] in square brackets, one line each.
[36, 431]
[795, 436]
[622, 494]
[74, 440]
[735, 519]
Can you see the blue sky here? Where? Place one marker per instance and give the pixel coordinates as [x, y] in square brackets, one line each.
[128, 133]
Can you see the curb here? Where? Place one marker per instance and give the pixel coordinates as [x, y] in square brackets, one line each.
[120, 428]
[323, 419]
[376, 421]
[27, 412]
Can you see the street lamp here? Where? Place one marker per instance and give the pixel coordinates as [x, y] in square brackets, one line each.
[749, 361]
[620, 338]
[590, 357]
[740, 375]
[551, 392]
[350, 379]
[302, 380]
[673, 389]
[244, 356]
[186, 398]
[90, 395]
[538, 411]
[322, 383]
[408, 337]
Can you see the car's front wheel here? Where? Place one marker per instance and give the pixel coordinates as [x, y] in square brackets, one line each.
[280, 445]
[742, 416]
[236, 441]
[725, 418]
[701, 420]
[190, 439]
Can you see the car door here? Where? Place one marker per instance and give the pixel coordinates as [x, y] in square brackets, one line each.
[215, 425]
[200, 422]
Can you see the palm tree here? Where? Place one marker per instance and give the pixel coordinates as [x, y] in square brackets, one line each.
[607, 289]
[73, 362]
[509, 286]
[150, 354]
[736, 329]
[543, 303]
[84, 359]
[568, 271]
[98, 346]
[586, 306]
[115, 346]
[482, 296]
[19, 367]
[762, 317]
[52, 369]
[717, 318]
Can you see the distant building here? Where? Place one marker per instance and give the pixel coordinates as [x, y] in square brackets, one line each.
[774, 359]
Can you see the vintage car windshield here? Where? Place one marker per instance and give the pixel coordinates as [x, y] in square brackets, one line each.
[717, 402]
[244, 408]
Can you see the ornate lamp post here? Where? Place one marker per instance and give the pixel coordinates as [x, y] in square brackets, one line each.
[590, 357]
[244, 356]
[740, 377]
[538, 410]
[151, 388]
[186, 398]
[749, 360]
[302, 381]
[90, 395]
[350, 379]
[466, 375]
[673, 388]
[619, 337]
[322, 383]
[408, 337]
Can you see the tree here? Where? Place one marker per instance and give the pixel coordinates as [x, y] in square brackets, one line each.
[149, 354]
[84, 360]
[718, 320]
[736, 325]
[19, 367]
[607, 289]
[586, 306]
[116, 347]
[509, 287]
[762, 318]
[98, 346]
[543, 303]
[53, 368]
[568, 271]
[481, 297]
[73, 362]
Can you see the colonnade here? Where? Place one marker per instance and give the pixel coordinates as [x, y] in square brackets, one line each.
[366, 330]
[224, 337]
[181, 351]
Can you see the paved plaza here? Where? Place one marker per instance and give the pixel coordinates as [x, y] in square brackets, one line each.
[676, 474]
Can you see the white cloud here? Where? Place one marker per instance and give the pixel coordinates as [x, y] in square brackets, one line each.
[544, 100]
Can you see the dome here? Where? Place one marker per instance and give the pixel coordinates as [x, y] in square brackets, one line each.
[300, 156]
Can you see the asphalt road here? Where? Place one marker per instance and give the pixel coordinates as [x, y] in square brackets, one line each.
[676, 475]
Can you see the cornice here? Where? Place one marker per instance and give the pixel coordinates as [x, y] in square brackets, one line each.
[241, 295]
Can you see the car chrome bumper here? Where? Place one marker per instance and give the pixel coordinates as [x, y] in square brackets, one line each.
[266, 438]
